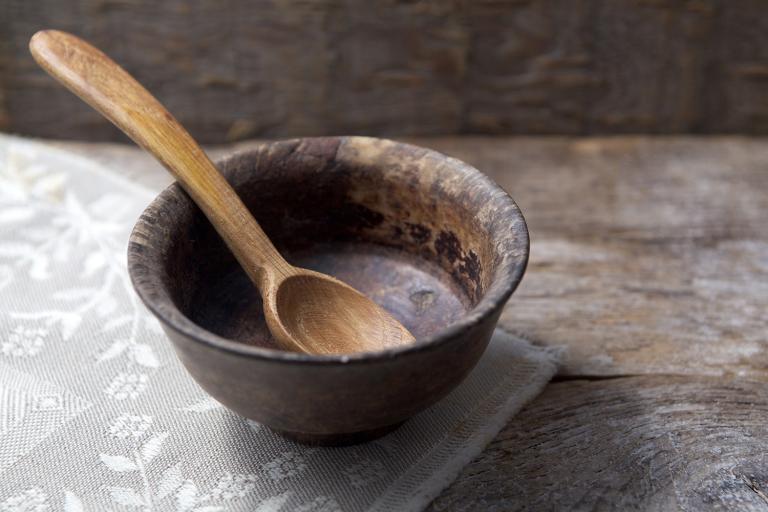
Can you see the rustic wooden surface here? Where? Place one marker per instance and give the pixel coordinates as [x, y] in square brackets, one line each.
[233, 69]
[649, 443]
[649, 264]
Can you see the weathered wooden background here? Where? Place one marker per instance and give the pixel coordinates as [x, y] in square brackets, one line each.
[233, 69]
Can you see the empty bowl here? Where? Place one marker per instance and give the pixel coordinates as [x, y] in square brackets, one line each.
[428, 237]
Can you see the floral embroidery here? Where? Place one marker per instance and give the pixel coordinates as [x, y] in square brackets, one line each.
[133, 428]
[72, 503]
[86, 232]
[231, 486]
[287, 465]
[140, 448]
[127, 385]
[22, 179]
[31, 500]
[128, 425]
[170, 449]
[204, 405]
[23, 342]
[49, 402]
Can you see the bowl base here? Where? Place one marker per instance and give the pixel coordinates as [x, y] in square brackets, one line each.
[338, 439]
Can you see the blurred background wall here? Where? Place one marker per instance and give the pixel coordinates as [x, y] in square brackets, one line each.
[235, 69]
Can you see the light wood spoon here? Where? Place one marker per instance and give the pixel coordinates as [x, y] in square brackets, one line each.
[305, 310]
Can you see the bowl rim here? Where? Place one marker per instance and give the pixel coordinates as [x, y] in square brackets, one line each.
[172, 317]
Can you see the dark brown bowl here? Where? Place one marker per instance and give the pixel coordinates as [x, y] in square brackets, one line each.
[428, 237]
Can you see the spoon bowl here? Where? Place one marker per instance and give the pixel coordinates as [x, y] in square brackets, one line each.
[329, 317]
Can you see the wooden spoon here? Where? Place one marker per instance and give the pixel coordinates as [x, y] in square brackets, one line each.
[306, 311]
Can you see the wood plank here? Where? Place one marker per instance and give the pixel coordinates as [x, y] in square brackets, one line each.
[234, 69]
[649, 255]
[641, 443]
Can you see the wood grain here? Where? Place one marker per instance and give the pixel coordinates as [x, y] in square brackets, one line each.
[233, 69]
[426, 236]
[306, 311]
[648, 254]
[639, 443]
[648, 257]
[115, 94]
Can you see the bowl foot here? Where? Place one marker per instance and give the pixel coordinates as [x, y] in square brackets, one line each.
[344, 439]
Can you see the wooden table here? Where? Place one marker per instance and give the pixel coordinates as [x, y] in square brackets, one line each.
[649, 266]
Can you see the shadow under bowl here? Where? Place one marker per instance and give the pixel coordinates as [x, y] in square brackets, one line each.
[429, 238]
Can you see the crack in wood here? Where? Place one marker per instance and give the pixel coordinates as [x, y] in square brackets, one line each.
[754, 487]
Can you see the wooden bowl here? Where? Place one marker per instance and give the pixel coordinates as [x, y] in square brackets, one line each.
[428, 237]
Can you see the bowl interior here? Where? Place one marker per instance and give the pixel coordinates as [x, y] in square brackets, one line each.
[420, 294]
[397, 222]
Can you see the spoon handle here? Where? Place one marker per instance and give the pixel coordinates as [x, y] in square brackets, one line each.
[109, 89]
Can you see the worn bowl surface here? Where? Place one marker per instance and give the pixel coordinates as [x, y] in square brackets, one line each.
[428, 237]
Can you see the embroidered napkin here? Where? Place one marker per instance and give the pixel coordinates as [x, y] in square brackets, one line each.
[96, 412]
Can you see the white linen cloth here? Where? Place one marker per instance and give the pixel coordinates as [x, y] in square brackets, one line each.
[96, 412]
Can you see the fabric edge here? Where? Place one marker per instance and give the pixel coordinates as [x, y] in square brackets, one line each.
[431, 488]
